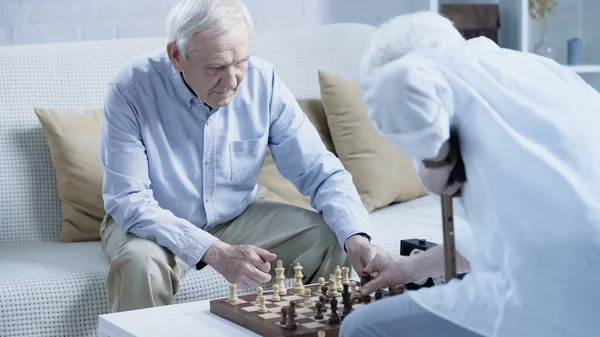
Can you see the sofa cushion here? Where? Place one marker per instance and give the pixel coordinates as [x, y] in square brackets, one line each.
[382, 173]
[74, 141]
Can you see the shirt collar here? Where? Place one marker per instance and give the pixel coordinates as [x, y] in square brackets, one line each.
[182, 90]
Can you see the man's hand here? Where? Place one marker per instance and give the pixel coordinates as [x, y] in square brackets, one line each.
[360, 252]
[393, 270]
[245, 265]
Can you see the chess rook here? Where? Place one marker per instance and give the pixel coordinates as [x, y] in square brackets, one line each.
[232, 293]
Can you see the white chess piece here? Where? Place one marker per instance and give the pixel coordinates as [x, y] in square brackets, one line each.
[353, 289]
[259, 292]
[232, 293]
[332, 289]
[275, 297]
[337, 273]
[345, 278]
[321, 333]
[321, 285]
[280, 278]
[307, 301]
[263, 308]
[298, 286]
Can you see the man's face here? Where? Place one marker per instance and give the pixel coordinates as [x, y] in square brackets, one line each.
[216, 64]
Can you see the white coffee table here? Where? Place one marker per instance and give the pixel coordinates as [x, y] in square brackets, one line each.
[186, 319]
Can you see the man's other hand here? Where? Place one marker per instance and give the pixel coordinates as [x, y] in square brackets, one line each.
[393, 270]
[245, 265]
[360, 252]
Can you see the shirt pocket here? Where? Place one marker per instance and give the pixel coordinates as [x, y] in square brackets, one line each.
[246, 158]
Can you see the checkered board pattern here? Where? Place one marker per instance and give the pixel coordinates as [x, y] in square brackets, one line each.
[245, 313]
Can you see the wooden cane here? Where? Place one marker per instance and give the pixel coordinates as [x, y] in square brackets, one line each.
[448, 228]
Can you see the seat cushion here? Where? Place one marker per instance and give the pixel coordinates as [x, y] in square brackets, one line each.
[58, 289]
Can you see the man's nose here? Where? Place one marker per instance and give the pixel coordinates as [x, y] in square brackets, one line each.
[229, 79]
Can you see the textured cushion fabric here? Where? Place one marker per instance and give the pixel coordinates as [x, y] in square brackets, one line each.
[382, 173]
[74, 142]
[59, 289]
[281, 189]
[74, 76]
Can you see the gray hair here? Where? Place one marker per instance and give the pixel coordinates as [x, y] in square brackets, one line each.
[405, 33]
[189, 17]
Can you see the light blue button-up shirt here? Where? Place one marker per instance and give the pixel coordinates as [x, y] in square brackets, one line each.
[174, 169]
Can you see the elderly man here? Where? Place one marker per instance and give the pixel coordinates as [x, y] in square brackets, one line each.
[185, 134]
[527, 129]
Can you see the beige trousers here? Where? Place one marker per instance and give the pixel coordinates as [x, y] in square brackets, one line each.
[143, 274]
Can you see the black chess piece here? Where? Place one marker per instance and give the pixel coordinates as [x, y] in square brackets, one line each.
[378, 294]
[283, 316]
[291, 318]
[319, 314]
[334, 317]
[324, 290]
[323, 300]
[293, 306]
[364, 279]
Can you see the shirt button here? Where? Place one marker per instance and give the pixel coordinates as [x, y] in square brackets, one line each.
[184, 258]
[208, 199]
[153, 238]
[207, 162]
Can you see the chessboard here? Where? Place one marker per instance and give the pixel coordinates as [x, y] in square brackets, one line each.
[245, 310]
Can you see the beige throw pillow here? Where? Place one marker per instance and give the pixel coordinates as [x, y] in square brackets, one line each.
[74, 141]
[381, 173]
[281, 189]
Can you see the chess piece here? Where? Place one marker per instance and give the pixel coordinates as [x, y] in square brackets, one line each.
[321, 333]
[345, 278]
[334, 317]
[298, 286]
[378, 294]
[374, 274]
[332, 291]
[291, 318]
[293, 306]
[275, 297]
[321, 285]
[232, 293]
[337, 273]
[280, 278]
[319, 314]
[347, 301]
[259, 292]
[323, 300]
[324, 290]
[353, 290]
[307, 301]
[263, 308]
[364, 279]
[283, 316]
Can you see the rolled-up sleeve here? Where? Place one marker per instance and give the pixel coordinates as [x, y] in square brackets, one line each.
[410, 104]
[126, 188]
[301, 157]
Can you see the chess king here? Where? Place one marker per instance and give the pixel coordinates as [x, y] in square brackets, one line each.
[186, 130]
[527, 131]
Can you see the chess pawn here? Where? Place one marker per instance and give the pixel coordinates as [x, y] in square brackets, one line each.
[307, 301]
[283, 316]
[263, 308]
[280, 278]
[259, 292]
[232, 293]
[275, 297]
[321, 285]
[298, 286]
[319, 314]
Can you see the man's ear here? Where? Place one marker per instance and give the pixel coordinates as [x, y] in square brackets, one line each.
[175, 56]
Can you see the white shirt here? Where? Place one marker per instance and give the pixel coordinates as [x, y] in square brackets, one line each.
[530, 137]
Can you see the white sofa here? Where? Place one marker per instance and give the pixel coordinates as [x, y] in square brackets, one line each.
[48, 288]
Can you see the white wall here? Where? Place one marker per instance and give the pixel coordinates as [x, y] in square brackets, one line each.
[44, 21]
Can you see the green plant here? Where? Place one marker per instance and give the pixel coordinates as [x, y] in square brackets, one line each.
[539, 9]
